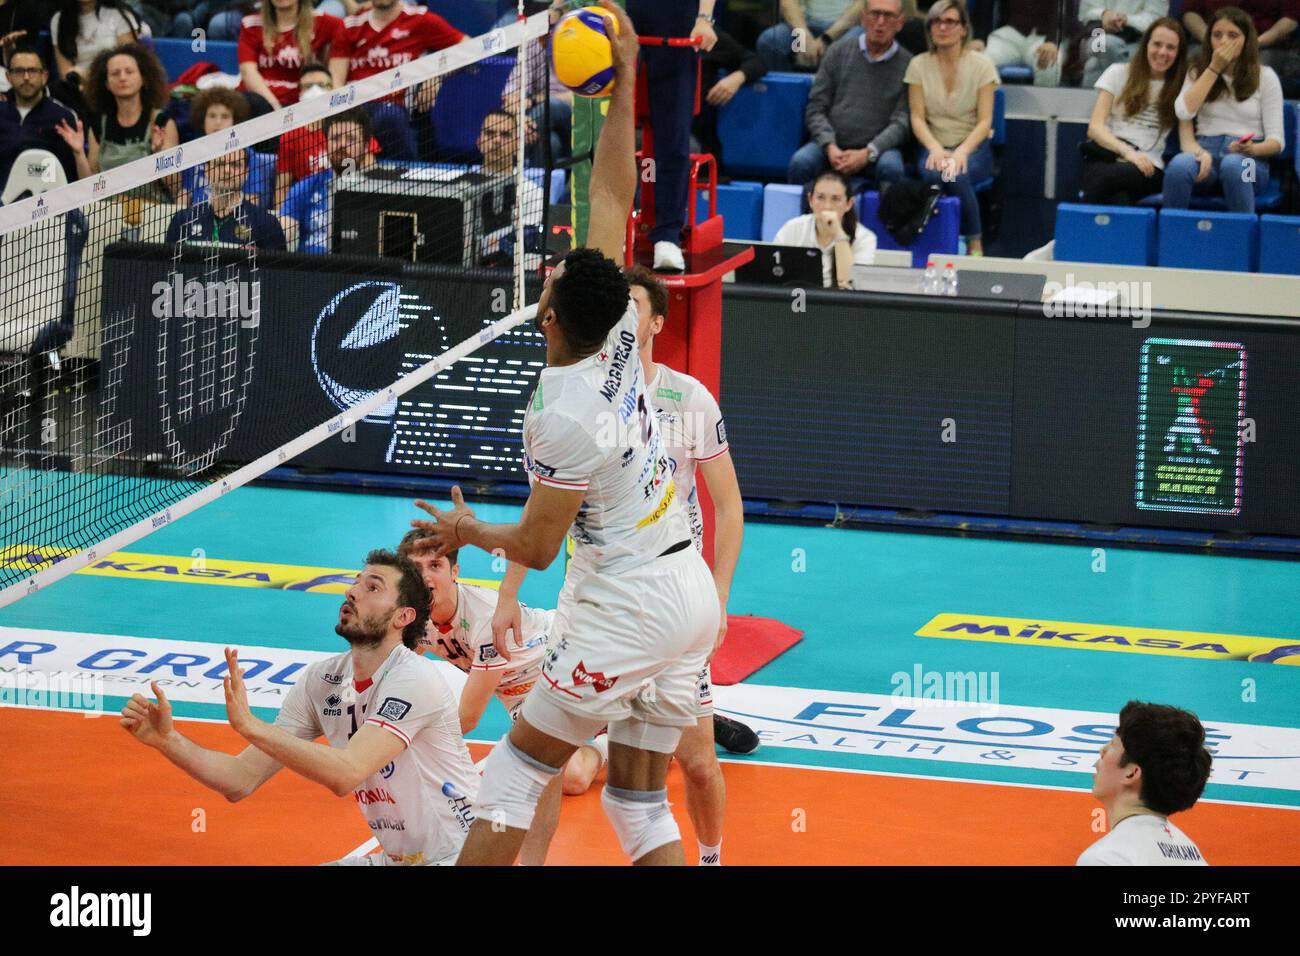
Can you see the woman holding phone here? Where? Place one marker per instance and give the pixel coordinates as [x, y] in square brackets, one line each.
[1237, 107]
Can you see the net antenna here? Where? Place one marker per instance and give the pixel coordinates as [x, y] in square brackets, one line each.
[165, 338]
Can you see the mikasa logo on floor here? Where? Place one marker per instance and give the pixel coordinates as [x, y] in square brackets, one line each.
[103, 909]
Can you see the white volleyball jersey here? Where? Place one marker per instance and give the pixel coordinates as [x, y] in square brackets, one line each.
[420, 806]
[590, 427]
[466, 641]
[693, 431]
[1143, 840]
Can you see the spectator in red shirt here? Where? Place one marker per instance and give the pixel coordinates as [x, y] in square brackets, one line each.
[302, 149]
[386, 35]
[1275, 22]
[275, 43]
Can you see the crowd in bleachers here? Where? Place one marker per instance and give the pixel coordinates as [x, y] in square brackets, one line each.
[1190, 106]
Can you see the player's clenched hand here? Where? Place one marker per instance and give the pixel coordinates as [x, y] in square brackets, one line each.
[238, 712]
[442, 530]
[149, 723]
[626, 45]
[507, 620]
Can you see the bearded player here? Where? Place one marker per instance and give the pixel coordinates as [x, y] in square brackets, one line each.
[387, 714]
[638, 613]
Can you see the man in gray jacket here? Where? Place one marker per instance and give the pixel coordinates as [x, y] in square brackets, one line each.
[857, 111]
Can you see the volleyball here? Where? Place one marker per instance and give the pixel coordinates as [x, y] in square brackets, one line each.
[581, 52]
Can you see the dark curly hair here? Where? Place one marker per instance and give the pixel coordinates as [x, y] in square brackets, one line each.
[217, 96]
[154, 94]
[588, 299]
[407, 543]
[411, 592]
[1168, 745]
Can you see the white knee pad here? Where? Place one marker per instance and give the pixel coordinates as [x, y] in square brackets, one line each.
[512, 784]
[641, 818]
[635, 732]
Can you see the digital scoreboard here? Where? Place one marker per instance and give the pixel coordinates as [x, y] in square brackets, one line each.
[1191, 418]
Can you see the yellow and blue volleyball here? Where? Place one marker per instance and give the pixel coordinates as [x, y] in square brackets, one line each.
[581, 52]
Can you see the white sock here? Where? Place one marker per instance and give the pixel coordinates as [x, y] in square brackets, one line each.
[711, 855]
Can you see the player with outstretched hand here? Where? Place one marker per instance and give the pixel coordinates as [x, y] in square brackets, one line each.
[638, 613]
[394, 740]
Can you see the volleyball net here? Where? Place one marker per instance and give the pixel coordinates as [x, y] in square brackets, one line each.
[350, 269]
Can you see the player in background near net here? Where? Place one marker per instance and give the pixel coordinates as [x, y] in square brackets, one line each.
[460, 632]
[638, 613]
[394, 740]
[694, 435]
[1155, 765]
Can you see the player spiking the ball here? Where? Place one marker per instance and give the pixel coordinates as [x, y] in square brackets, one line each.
[638, 613]
[390, 720]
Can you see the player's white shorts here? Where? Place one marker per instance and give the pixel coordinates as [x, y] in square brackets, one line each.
[634, 644]
[704, 692]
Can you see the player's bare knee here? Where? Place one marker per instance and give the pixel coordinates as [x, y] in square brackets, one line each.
[699, 765]
[579, 772]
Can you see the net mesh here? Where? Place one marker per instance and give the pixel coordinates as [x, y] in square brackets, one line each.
[337, 283]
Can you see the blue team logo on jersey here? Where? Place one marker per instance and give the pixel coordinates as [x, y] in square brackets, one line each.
[387, 771]
[393, 708]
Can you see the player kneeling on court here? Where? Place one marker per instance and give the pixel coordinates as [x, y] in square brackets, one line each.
[388, 715]
[1155, 765]
[460, 631]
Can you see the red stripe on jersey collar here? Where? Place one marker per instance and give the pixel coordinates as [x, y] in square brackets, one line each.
[362, 685]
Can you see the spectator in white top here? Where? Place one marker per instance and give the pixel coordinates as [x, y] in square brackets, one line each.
[1154, 766]
[832, 227]
[1116, 29]
[1237, 106]
[83, 29]
[1123, 159]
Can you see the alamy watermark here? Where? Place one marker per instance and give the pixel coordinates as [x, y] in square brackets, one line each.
[24, 688]
[1082, 299]
[219, 299]
[948, 688]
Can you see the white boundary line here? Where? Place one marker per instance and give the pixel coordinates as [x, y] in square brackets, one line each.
[271, 459]
[136, 173]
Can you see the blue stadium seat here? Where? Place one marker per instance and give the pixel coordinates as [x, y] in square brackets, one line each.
[781, 203]
[1204, 239]
[1015, 73]
[178, 55]
[938, 237]
[762, 126]
[1122, 235]
[1279, 244]
[740, 204]
[467, 96]
[999, 133]
[469, 16]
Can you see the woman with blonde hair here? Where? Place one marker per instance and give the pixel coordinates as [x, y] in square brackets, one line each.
[275, 43]
[1237, 107]
[950, 93]
[1123, 157]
